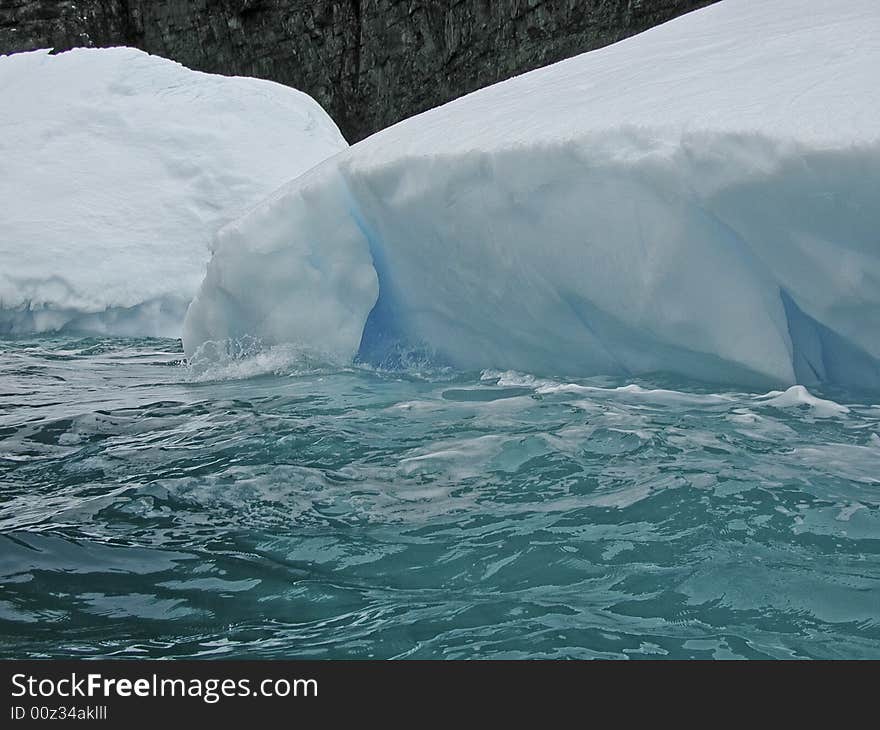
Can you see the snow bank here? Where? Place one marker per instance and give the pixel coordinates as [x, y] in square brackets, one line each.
[698, 199]
[117, 168]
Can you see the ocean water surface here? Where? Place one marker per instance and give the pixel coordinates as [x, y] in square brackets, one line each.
[273, 507]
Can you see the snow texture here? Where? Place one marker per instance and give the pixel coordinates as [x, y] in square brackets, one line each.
[116, 170]
[699, 199]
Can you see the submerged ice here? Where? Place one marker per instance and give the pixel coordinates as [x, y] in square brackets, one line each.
[117, 168]
[699, 199]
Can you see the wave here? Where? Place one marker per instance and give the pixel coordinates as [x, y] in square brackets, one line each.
[245, 358]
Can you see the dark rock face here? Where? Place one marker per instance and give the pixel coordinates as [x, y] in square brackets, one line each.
[62, 24]
[370, 63]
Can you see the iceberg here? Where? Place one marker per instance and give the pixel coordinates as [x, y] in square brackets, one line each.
[116, 170]
[700, 199]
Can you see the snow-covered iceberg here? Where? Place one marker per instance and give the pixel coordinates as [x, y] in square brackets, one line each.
[703, 199]
[116, 170]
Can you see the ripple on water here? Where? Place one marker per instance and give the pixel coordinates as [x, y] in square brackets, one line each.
[277, 508]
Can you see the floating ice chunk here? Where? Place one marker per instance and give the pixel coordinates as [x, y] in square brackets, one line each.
[699, 199]
[116, 170]
[798, 395]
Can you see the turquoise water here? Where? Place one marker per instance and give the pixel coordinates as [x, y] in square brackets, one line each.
[270, 507]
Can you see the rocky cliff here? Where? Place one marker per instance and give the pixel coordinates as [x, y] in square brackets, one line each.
[370, 63]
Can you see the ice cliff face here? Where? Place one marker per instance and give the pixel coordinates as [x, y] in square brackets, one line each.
[369, 63]
[717, 220]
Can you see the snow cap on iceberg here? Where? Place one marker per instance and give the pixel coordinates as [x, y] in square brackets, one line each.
[116, 170]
